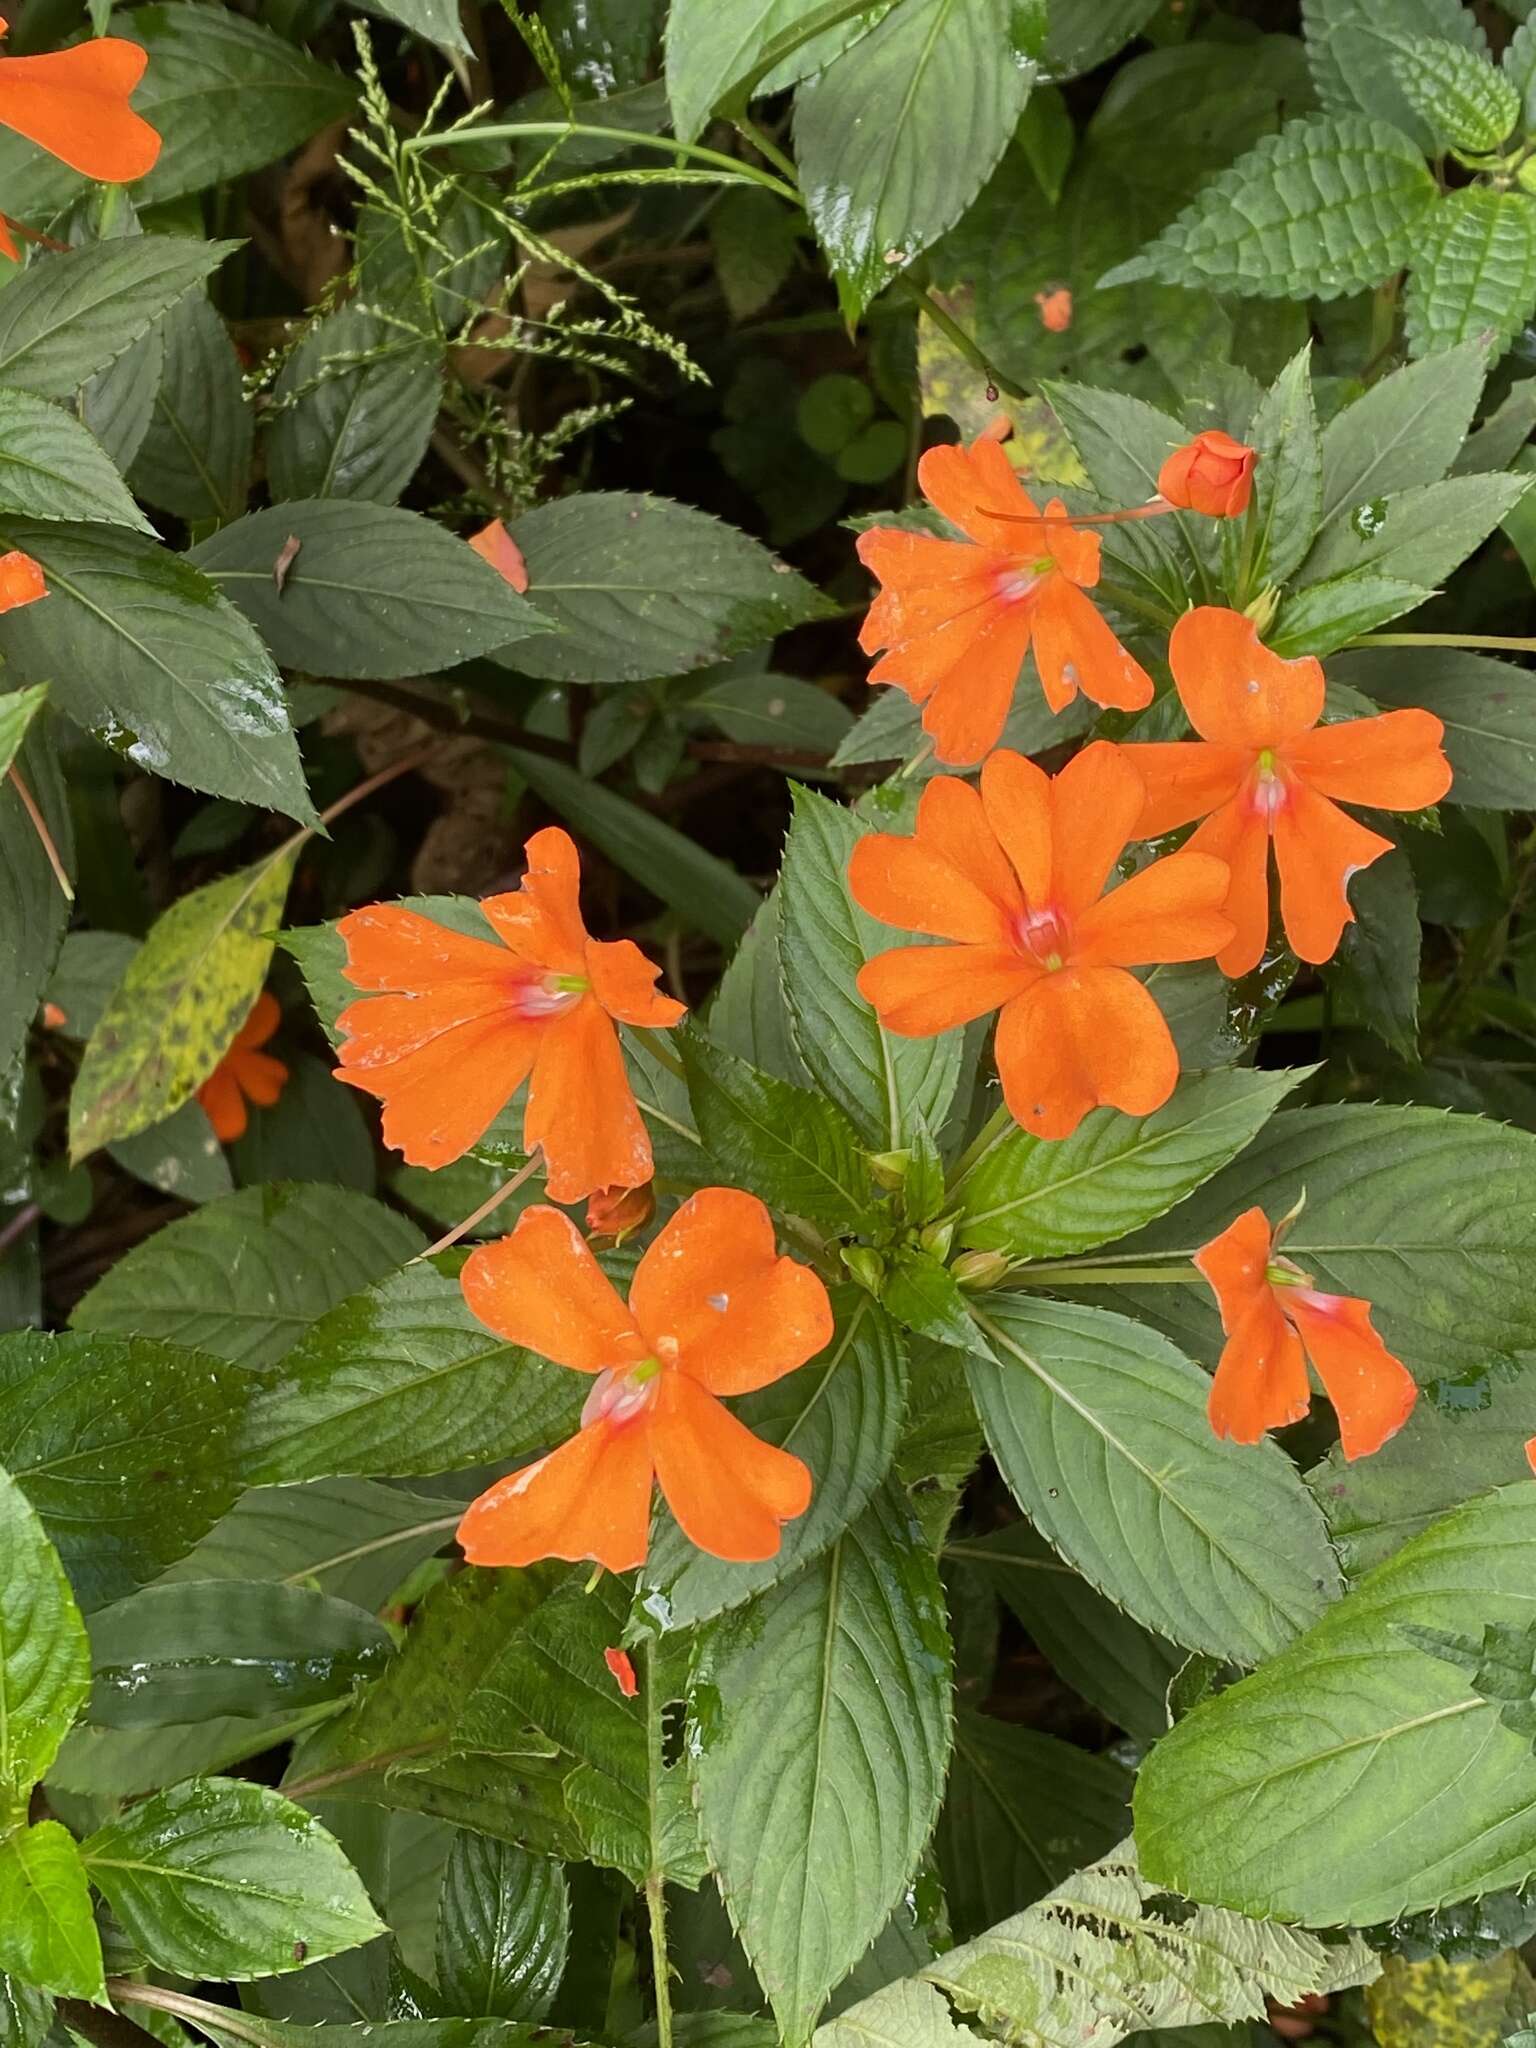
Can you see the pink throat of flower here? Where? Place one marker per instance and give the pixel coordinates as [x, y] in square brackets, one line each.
[1018, 583]
[1269, 792]
[1045, 937]
[622, 1393]
[539, 996]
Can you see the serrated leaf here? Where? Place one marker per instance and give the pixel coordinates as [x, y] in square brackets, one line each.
[748, 1014]
[1474, 271]
[1418, 535]
[372, 592]
[1330, 204]
[1326, 616]
[1460, 97]
[68, 316]
[143, 652]
[1351, 45]
[195, 457]
[711, 50]
[245, 1276]
[51, 467]
[1397, 1785]
[1406, 430]
[1037, 1200]
[840, 1415]
[754, 238]
[1100, 1430]
[906, 2014]
[47, 1934]
[26, 2014]
[502, 1929]
[1289, 477]
[885, 1084]
[635, 586]
[352, 411]
[897, 136]
[1519, 63]
[821, 1714]
[45, 1670]
[222, 1878]
[1437, 2003]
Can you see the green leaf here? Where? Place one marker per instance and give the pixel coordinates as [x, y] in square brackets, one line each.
[1376, 969]
[45, 1670]
[754, 238]
[1022, 1812]
[26, 2014]
[840, 1414]
[246, 1276]
[226, 94]
[372, 592]
[181, 1156]
[1519, 62]
[33, 908]
[1100, 1430]
[1330, 204]
[886, 1084]
[1037, 1200]
[51, 467]
[925, 1298]
[1082, 38]
[1460, 97]
[897, 136]
[821, 1719]
[793, 1148]
[1329, 615]
[1353, 46]
[635, 587]
[93, 1428]
[1474, 271]
[502, 1929]
[1419, 535]
[1405, 430]
[1396, 1785]
[195, 458]
[695, 883]
[403, 1380]
[232, 2029]
[222, 1878]
[352, 411]
[195, 1649]
[183, 997]
[749, 1015]
[18, 709]
[68, 316]
[315, 1130]
[906, 2014]
[775, 711]
[47, 1935]
[711, 50]
[1289, 477]
[143, 652]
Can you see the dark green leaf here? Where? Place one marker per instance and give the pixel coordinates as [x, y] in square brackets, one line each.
[68, 316]
[1352, 44]
[1474, 271]
[1461, 98]
[314, 1131]
[1417, 535]
[1405, 430]
[1376, 969]
[1289, 478]
[1329, 615]
[352, 411]
[181, 1156]
[503, 1924]
[711, 51]
[195, 458]
[52, 468]
[33, 908]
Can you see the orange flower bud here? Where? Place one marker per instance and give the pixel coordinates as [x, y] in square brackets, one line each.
[1211, 474]
[53, 1017]
[1055, 309]
[623, 1672]
[619, 1212]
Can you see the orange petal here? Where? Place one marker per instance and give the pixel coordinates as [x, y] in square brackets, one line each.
[1237, 1266]
[621, 1667]
[909, 883]
[1171, 911]
[1186, 779]
[1261, 1377]
[591, 1498]
[442, 1096]
[1075, 649]
[1095, 802]
[924, 582]
[223, 1104]
[919, 991]
[1239, 835]
[1395, 761]
[389, 947]
[8, 241]
[624, 982]
[74, 104]
[261, 1078]
[540, 921]
[581, 1108]
[738, 1315]
[729, 1490]
[967, 484]
[965, 711]
[1234, 689]
[1078, 1039]
[1372, 1392]
[1074, 549]
[21, 578]
[1318, 848]
[380, 1031]
[541, 1288]
[951, 818]
[1530, 1452]
[495, 545]
[264, 1018]
[1016, 796]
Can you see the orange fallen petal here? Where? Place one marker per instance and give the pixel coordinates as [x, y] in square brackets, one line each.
[495, 545]
[21, 579]
[623, 1670]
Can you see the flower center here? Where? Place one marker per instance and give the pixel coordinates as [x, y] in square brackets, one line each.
[538, 996]
[1269, 792]
[622, 1392]
[1046, 936]
[1015, 585]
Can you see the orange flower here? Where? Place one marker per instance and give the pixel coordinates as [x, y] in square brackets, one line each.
[466, 1021]
[1015, 876]
[245, 1074]
[712, 1310]
[1055, 310]
[1211, 474]
[496, 546]
[74, 104]
[958, 616]
[619, 1212]
[21, 579]
[622, 1667]
[1275, 1320]
[1263, 770]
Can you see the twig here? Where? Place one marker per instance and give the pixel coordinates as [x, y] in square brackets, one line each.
[508, 1187]
[40, 827]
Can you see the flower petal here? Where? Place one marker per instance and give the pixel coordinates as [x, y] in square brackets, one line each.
[378, 1031]
[951, 818]
[223, 1104]
[739, 1315]
[1239, 835]
[541, 1288]
[729, 1491]
[74, 104]
[260, 1077]
[1237, 1266]
[581, 1108]
[1235, 690]
[1372, 1392]
[919, 991]
[1078, 1039]
[265, 1016]
[1395, 761]
[443, 1094]
[495, 545]
[1171, 911]
[540, 921]
[1095, 802]
[1076, 649]
[1261, 1376]
[1186, 779]
[909, 883]
[590, 1498]
[966, 708]
[1318, 848]
[924, 582]
[1016, 796]
[624, 982]
[969, 484]
[390, 947]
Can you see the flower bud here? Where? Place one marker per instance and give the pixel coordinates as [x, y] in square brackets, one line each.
[619, 1212]
[866, 1266]
[936, 1239]
[888, 1170]
[977, 1271]
[1211, 474]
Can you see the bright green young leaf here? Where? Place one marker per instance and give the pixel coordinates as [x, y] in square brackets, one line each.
[1459, 96]
[502, 1929]
[1100, 1430]
[372, 592]
[45, 1670]
[195, 458]
[1488, 713]
[51, 467]
[352, 411]
[1396, 1785]
[821, 1718]
[1354, 47]
[222, 1878]
[199, 1648]
[898, 135]
[1407, 429]
[925, 1298]
[70, 315]
[47, 1934]
[1474, 271]
[635, 586]
[245, 1277]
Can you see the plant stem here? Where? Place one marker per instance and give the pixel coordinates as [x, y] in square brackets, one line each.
[660, 1051]
[19, 1225]
[956, 335]
[40, 827]
[655, 1877]
[994, 1127]
[508, 1187]
[769, 150]
[1057, 1271]
[1504, 640]
[512, 131]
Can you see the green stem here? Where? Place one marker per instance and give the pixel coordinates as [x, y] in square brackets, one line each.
[512, 131]
[956, 335]
[768, 150]
[994, 1127]
[1059, 1271]
[1515, 646]
[655, 1879]
[660, 1051]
